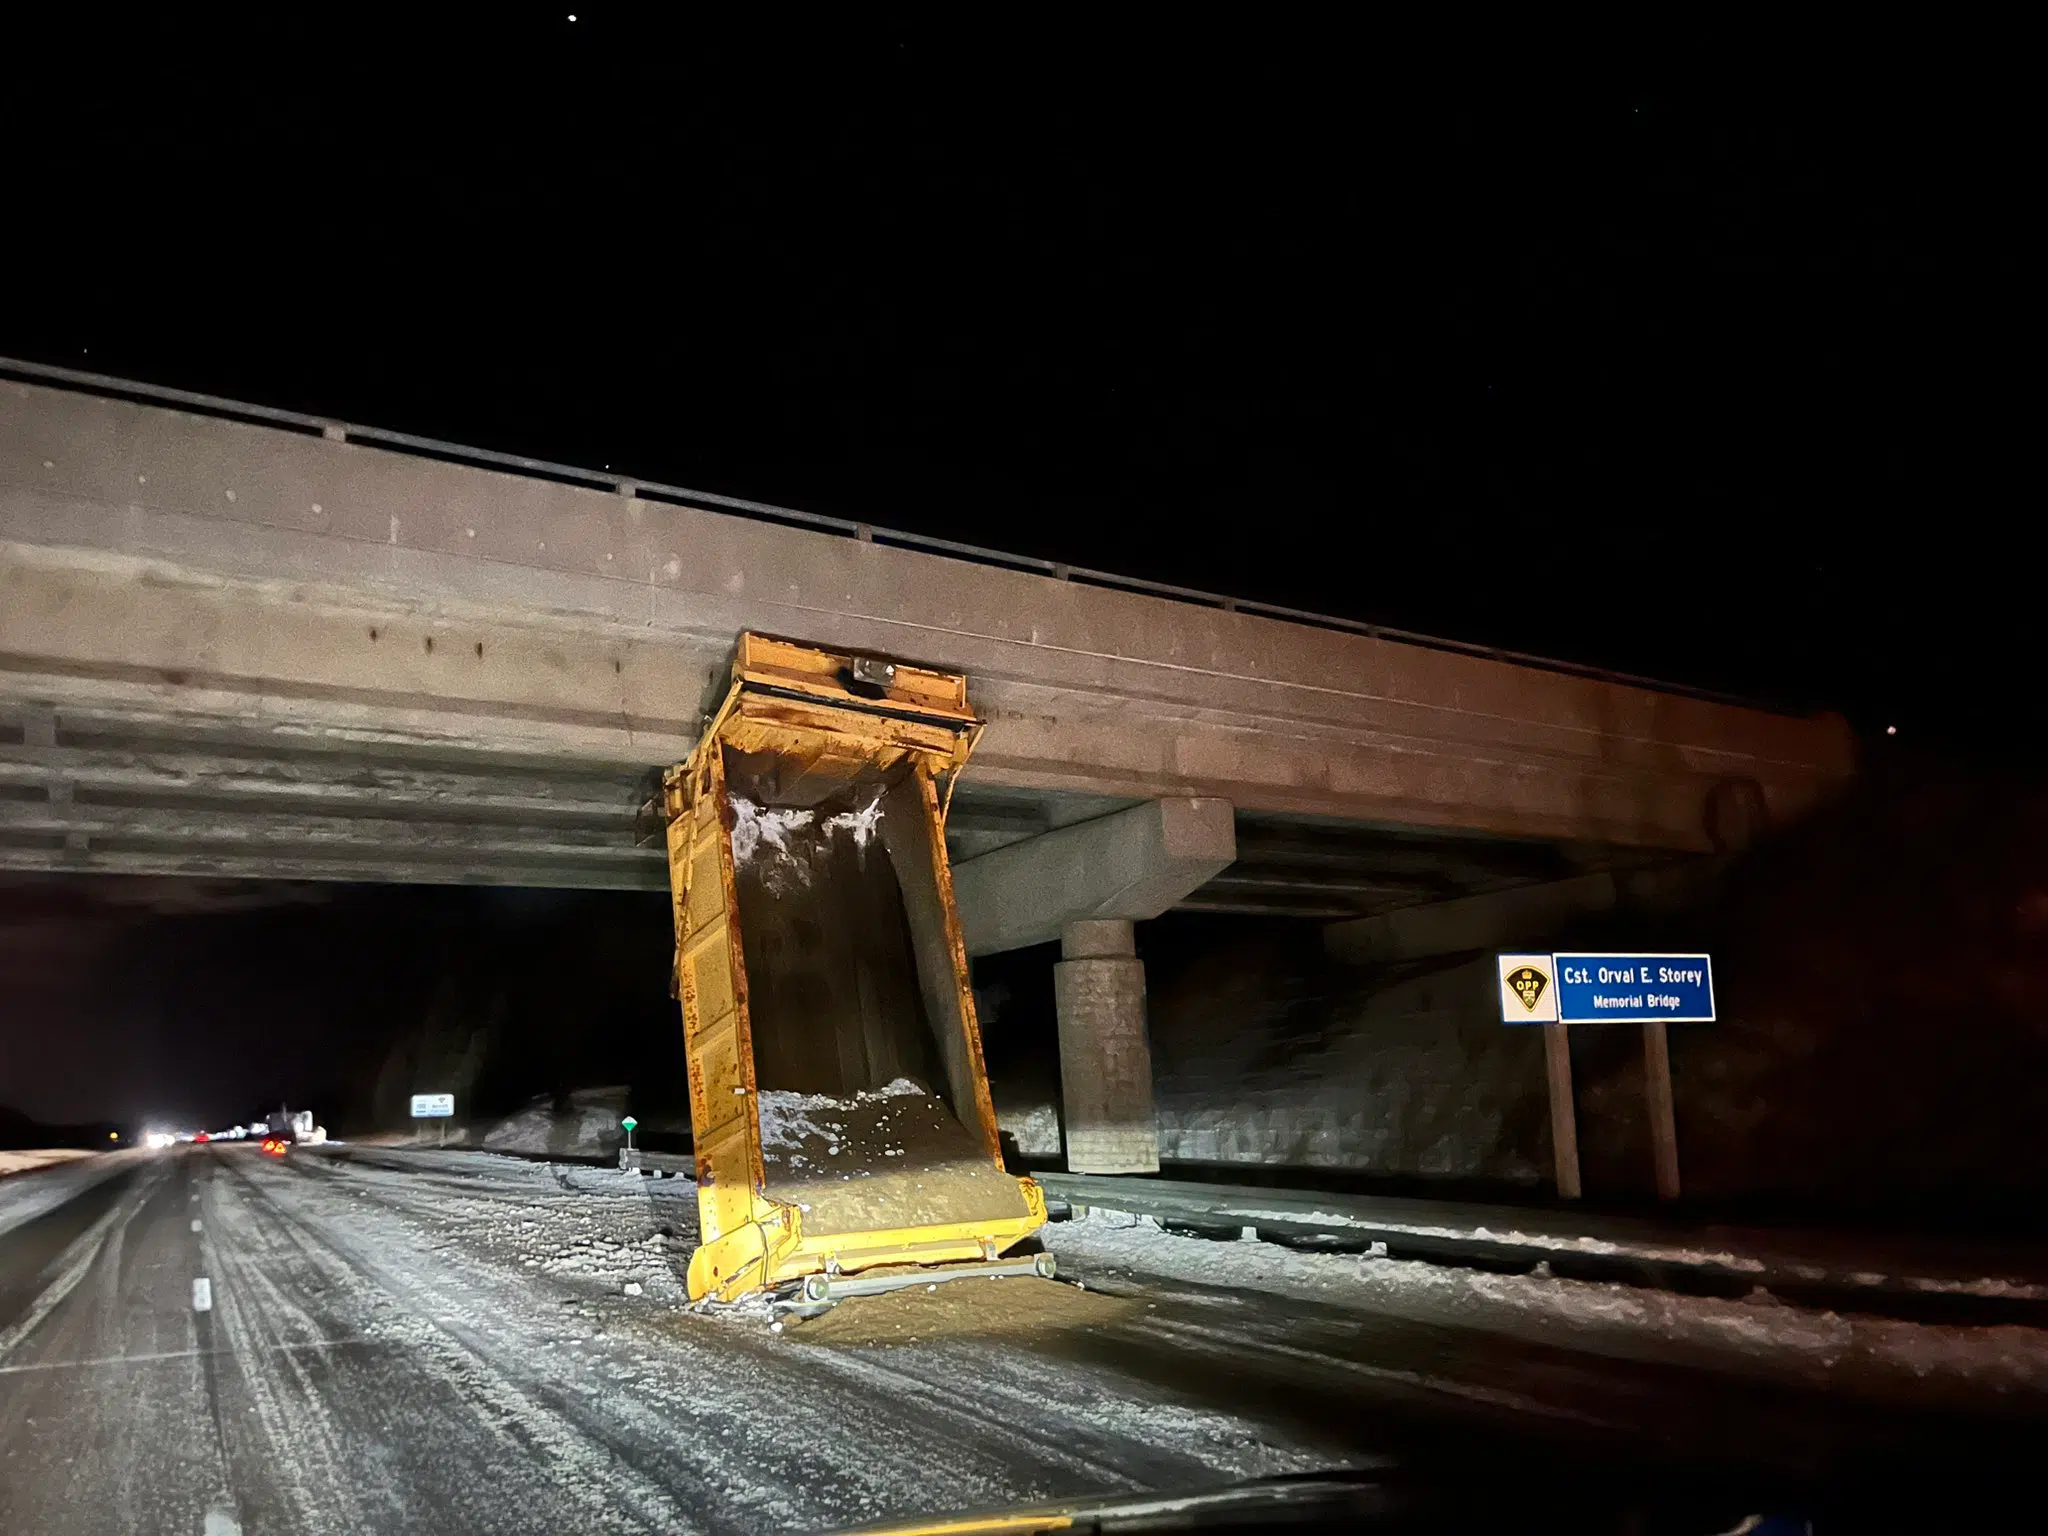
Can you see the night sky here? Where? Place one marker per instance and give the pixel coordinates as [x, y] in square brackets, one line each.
[1702, 375]
[1693, 372]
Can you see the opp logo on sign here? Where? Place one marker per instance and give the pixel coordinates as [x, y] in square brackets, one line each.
[1528, 993]
[1529, 984]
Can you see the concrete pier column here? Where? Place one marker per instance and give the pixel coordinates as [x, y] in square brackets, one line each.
[1085, 884]
[1105, 1055]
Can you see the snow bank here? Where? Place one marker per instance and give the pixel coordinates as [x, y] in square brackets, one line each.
[2005, 1290]
[588, 1128]
[29, 1161]
[1769, 1336]
[1647, 1250]
[1035, 1128]
[27, 1195]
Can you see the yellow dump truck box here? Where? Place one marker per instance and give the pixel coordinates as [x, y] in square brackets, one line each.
[838, 1098]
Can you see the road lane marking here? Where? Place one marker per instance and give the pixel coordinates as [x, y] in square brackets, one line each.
[202, 1295]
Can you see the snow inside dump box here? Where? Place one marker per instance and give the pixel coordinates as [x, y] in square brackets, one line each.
[892, 1157]
[862, 1058]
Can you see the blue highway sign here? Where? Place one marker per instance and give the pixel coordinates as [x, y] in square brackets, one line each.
[1601, 989]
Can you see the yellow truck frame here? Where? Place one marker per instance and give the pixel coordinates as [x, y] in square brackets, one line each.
[821, 717]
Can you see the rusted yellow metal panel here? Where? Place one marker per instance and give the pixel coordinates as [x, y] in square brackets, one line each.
[831, 676]
[870, 738]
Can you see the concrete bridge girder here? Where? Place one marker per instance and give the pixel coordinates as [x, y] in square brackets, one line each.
[154, 555]
[1125, 867]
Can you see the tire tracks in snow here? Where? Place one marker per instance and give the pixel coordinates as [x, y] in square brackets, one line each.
[769, 1433]
[727, 1435]
[1106, 1429]
[79, 1258]
[528, 1417]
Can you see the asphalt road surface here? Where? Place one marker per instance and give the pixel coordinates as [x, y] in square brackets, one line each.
[396, 1342]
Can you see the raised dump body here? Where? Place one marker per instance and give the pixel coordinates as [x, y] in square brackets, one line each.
[839, 1103]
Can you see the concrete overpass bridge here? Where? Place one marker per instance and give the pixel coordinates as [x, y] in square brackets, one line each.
[236, 641]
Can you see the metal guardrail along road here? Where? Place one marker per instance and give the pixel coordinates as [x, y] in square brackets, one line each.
[1916, 1280]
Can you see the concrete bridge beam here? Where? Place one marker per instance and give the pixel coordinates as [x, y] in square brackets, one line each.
[153, 558]
[1521, 914]
[1131, 865]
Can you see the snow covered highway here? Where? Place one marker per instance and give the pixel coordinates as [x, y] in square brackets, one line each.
[391, 1340]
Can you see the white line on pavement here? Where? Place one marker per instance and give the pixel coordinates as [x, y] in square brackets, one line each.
[202, 1295]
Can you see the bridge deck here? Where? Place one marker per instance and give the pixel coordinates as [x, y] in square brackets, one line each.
[189, 577]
